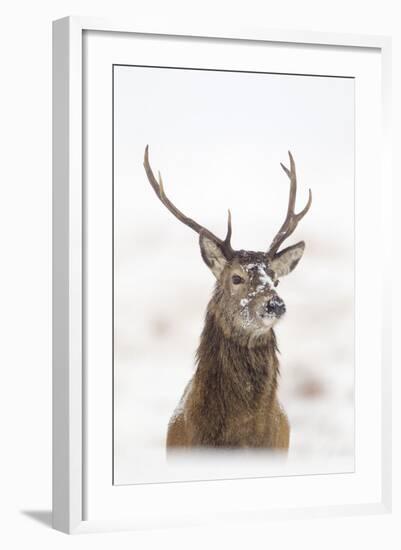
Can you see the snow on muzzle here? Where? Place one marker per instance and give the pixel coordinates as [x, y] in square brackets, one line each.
[275, 307]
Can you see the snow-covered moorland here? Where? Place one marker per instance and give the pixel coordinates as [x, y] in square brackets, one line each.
[218, 140]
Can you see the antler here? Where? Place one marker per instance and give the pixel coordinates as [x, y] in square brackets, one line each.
[291, 221]
[158, 188]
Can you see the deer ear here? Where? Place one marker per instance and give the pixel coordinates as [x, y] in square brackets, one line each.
[287, 260]
[212, 255]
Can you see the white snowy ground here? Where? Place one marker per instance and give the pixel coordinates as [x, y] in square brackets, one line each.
[216, 149]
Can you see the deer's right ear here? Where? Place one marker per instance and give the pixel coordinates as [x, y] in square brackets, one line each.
[212, 254]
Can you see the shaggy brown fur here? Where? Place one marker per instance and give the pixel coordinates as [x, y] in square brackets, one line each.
[231, 400]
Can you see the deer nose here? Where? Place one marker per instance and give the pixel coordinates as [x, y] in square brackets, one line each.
[275, 306]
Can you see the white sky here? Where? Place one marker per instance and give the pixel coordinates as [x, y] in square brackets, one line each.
[218, 139]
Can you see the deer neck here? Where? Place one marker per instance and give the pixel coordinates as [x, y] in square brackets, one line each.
[234, 377]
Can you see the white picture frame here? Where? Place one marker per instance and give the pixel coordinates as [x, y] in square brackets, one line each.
[80, 488]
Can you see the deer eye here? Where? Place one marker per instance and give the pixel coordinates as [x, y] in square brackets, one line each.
[237, 280]
[276, 283]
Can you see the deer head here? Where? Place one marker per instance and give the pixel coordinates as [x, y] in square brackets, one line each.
[246, 299]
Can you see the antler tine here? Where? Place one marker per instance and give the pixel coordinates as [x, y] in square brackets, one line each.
[292, 219]
[229, 229]
[159, 190]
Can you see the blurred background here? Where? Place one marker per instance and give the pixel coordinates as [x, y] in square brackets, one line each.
[218, 139]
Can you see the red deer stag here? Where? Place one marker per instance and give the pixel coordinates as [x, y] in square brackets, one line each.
[231, 400]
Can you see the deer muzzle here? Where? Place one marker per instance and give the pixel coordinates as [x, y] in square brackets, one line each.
[275, 306]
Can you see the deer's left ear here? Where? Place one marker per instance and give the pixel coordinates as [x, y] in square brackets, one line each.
[287, 260]
[212, 255]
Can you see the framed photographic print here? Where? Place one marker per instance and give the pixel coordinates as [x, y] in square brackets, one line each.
[220, 199]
